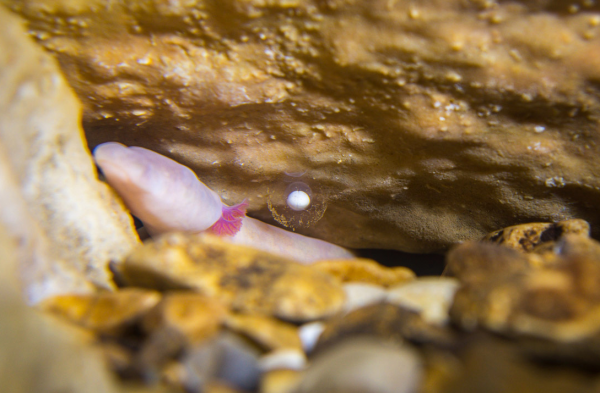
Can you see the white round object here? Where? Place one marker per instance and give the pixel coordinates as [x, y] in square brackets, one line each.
[298, 200]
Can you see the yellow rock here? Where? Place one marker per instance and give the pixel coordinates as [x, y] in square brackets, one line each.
[365, 270]
[279, 381]
[559, 301]
[105, 312]
[526, 237]
[241, 277]
[268, 332]
[193, 316]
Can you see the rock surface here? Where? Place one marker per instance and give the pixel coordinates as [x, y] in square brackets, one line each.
[363, 366]
[557, 300]
[243, 278]
[421, 124]
[526, 237]
[42, 143]
[361, 270]
[37, 353]
[430, 296]
[105, 313]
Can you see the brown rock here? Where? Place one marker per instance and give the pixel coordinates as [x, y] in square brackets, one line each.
[365, 270]
[192, 316]
[423, 125]
[241, 277]
[559, 301]
[279, 381]
[526, 237]
[267, 332]
[494, 364]
[106, 312]
[364, 365]
[42, 142]
[382, 321]
[179, 322]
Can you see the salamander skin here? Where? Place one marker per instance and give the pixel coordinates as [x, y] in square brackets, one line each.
[167, 196]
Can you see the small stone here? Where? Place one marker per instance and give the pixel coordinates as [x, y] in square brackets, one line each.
[430, 296]
[279, 381]
[383, 321]
[365, 271]
[558, 301]
[105, 312]
[309, 334]
[360, 294]
[363, 366]
[190, 315]
[227, 358]
[181, 320]
[243, 278]
[498, 365]
[291, 359]
[269, 333]
[526, 237]
[473, 261]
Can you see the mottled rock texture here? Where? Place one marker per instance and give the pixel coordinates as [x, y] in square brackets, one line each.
[71, 225]
[241, 277]
[421, 123]
[37, 353]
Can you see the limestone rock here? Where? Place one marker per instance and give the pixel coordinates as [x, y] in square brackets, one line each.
[227, 358]
[191, 316]
[279, 381]
[181, 321]
[283, 359]
[37, 353]
[309, 334]
[366, 271]
[241, 277]
[430, 296]
[526, 237]
[105, 313]
[267, 332]
[360, 295]
[363, 366]
[421, 124]
[43, 144]
[558, 301]
[498, 365]
[383, 321]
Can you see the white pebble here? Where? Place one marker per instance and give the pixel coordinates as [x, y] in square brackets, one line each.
[287, 359]
[360, 294]
[298, 200]
[309, 334]
[430, 296]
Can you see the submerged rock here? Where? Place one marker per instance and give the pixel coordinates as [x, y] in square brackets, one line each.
[361, 270]
[526, 237]
[430, 296]
[37, 353]
[79, 225]
[422, 124]
[557, 300]
[243, 278]
[363, 366]
[104, 313]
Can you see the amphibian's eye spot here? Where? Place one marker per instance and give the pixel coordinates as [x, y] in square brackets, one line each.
[295, 204]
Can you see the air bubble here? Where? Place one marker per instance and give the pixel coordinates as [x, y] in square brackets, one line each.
[294, 204]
